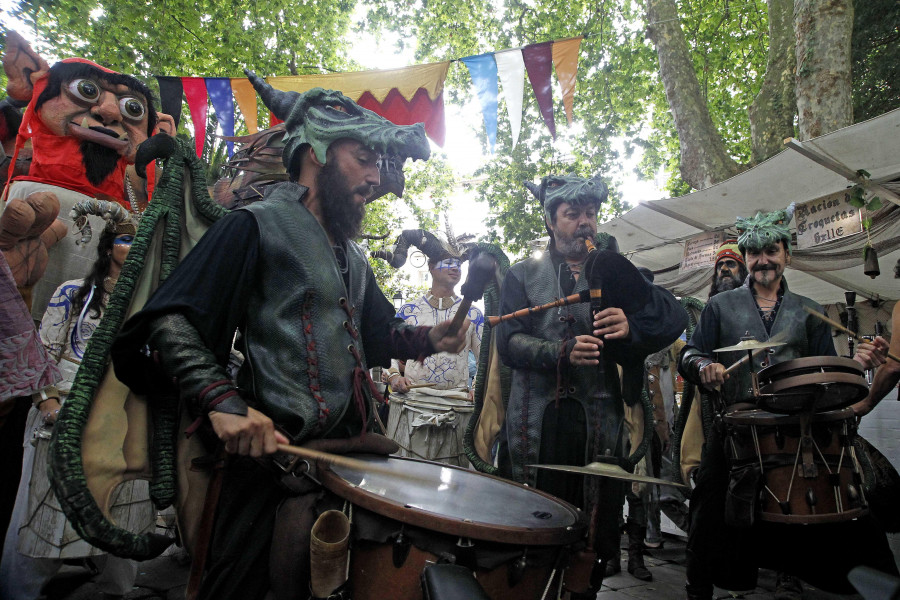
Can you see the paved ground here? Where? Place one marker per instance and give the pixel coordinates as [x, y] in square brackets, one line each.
[165, 578]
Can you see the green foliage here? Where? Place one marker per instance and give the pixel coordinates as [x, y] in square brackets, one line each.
[856, 196]
[876, 58]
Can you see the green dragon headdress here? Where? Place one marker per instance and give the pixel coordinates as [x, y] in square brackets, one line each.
[555, 189]
[320, 117]
[764, 229]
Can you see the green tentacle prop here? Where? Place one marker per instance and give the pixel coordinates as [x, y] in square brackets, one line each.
[693, 306]
[164, 220]
[492, 308]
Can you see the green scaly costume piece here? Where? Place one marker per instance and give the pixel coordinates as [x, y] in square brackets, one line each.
[165, 213]
[492, 308]
[692, 306]
[764, 229]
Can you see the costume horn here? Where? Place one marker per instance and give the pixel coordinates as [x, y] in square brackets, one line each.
[534, 189]
[280, 103]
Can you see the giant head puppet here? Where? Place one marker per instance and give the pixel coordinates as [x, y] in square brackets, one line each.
[84, 123]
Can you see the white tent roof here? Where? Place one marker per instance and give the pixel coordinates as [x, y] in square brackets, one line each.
[653, 233]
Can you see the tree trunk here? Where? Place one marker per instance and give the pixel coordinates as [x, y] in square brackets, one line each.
[773, 109]
[704, 159]
[823, 30]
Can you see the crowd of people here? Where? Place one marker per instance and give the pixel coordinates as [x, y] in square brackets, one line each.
[312, 321]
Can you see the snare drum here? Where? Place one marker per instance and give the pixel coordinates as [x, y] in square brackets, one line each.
[511, 536]
[807, 466]
[816, 382]
[430, 427]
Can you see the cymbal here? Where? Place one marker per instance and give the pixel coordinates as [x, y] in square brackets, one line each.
[750, 344]
[609, 470]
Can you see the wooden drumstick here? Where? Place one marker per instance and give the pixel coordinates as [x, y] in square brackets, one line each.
[843, 329]
[778, 337]
[337, 460]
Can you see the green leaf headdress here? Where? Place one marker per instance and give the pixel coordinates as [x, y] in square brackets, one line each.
[755, 233]
[320, 117]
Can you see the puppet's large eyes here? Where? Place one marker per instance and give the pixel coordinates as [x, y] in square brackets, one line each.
[85, 89]
[131, 107]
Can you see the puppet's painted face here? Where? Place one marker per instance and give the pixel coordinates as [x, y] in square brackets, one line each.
[93, 110]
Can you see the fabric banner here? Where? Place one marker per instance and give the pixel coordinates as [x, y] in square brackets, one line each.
[246, 100]
[511, 72]
[378, 83]
[170, 93]
[421, 109]
[565, 59]
[415, 92]
[219, 89]
[483, 70]
[195, 92]
[538, 63]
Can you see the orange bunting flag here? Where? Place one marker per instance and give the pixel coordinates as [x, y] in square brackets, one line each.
[565, 59]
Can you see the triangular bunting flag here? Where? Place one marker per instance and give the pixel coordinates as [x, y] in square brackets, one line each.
[565, 59]
[538, 59]
[195, 92]
[170, 93]
[246, 101]
[511, 72]
[483, 70]
[219, 89]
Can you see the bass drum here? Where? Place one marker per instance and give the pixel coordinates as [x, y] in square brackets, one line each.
[512, 537]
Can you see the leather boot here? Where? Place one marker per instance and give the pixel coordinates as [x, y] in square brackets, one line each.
[636, 565]
[613, 566]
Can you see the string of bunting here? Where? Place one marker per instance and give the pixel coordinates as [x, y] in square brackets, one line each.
[407, 95]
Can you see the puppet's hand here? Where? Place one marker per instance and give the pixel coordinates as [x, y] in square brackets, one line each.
[28, 229]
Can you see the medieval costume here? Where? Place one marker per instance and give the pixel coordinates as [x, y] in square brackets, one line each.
[559, 413]
[732, 554]
[444, 371]
[311, 318]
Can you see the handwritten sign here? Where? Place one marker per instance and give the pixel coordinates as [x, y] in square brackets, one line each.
[826, 219]
[700, 251]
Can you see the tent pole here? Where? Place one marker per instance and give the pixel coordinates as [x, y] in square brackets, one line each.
[840, 169]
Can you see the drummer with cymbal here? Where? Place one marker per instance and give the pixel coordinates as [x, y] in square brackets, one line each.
[764, 309]
[566, 401]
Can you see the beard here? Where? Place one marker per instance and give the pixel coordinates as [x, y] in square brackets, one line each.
[573, 246]
[726, 283]
[343, 216]
[99, 161]
[767, 274]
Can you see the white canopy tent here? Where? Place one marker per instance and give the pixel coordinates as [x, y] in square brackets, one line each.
[653, 233]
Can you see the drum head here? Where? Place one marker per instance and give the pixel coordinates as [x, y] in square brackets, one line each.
[762, 418]
[816, 382]
[457, 501]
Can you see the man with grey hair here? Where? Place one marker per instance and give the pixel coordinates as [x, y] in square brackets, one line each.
[566, 401]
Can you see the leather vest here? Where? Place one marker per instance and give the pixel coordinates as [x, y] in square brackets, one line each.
[532, 389]
[737, 315]
[297, 331]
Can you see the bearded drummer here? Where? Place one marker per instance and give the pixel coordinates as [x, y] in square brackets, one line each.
[286, 272]
[566, 401]
[764, 308]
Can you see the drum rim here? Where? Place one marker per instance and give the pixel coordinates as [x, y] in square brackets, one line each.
[810, 362]
[759, 416]
[797, 382]
[389, 508]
